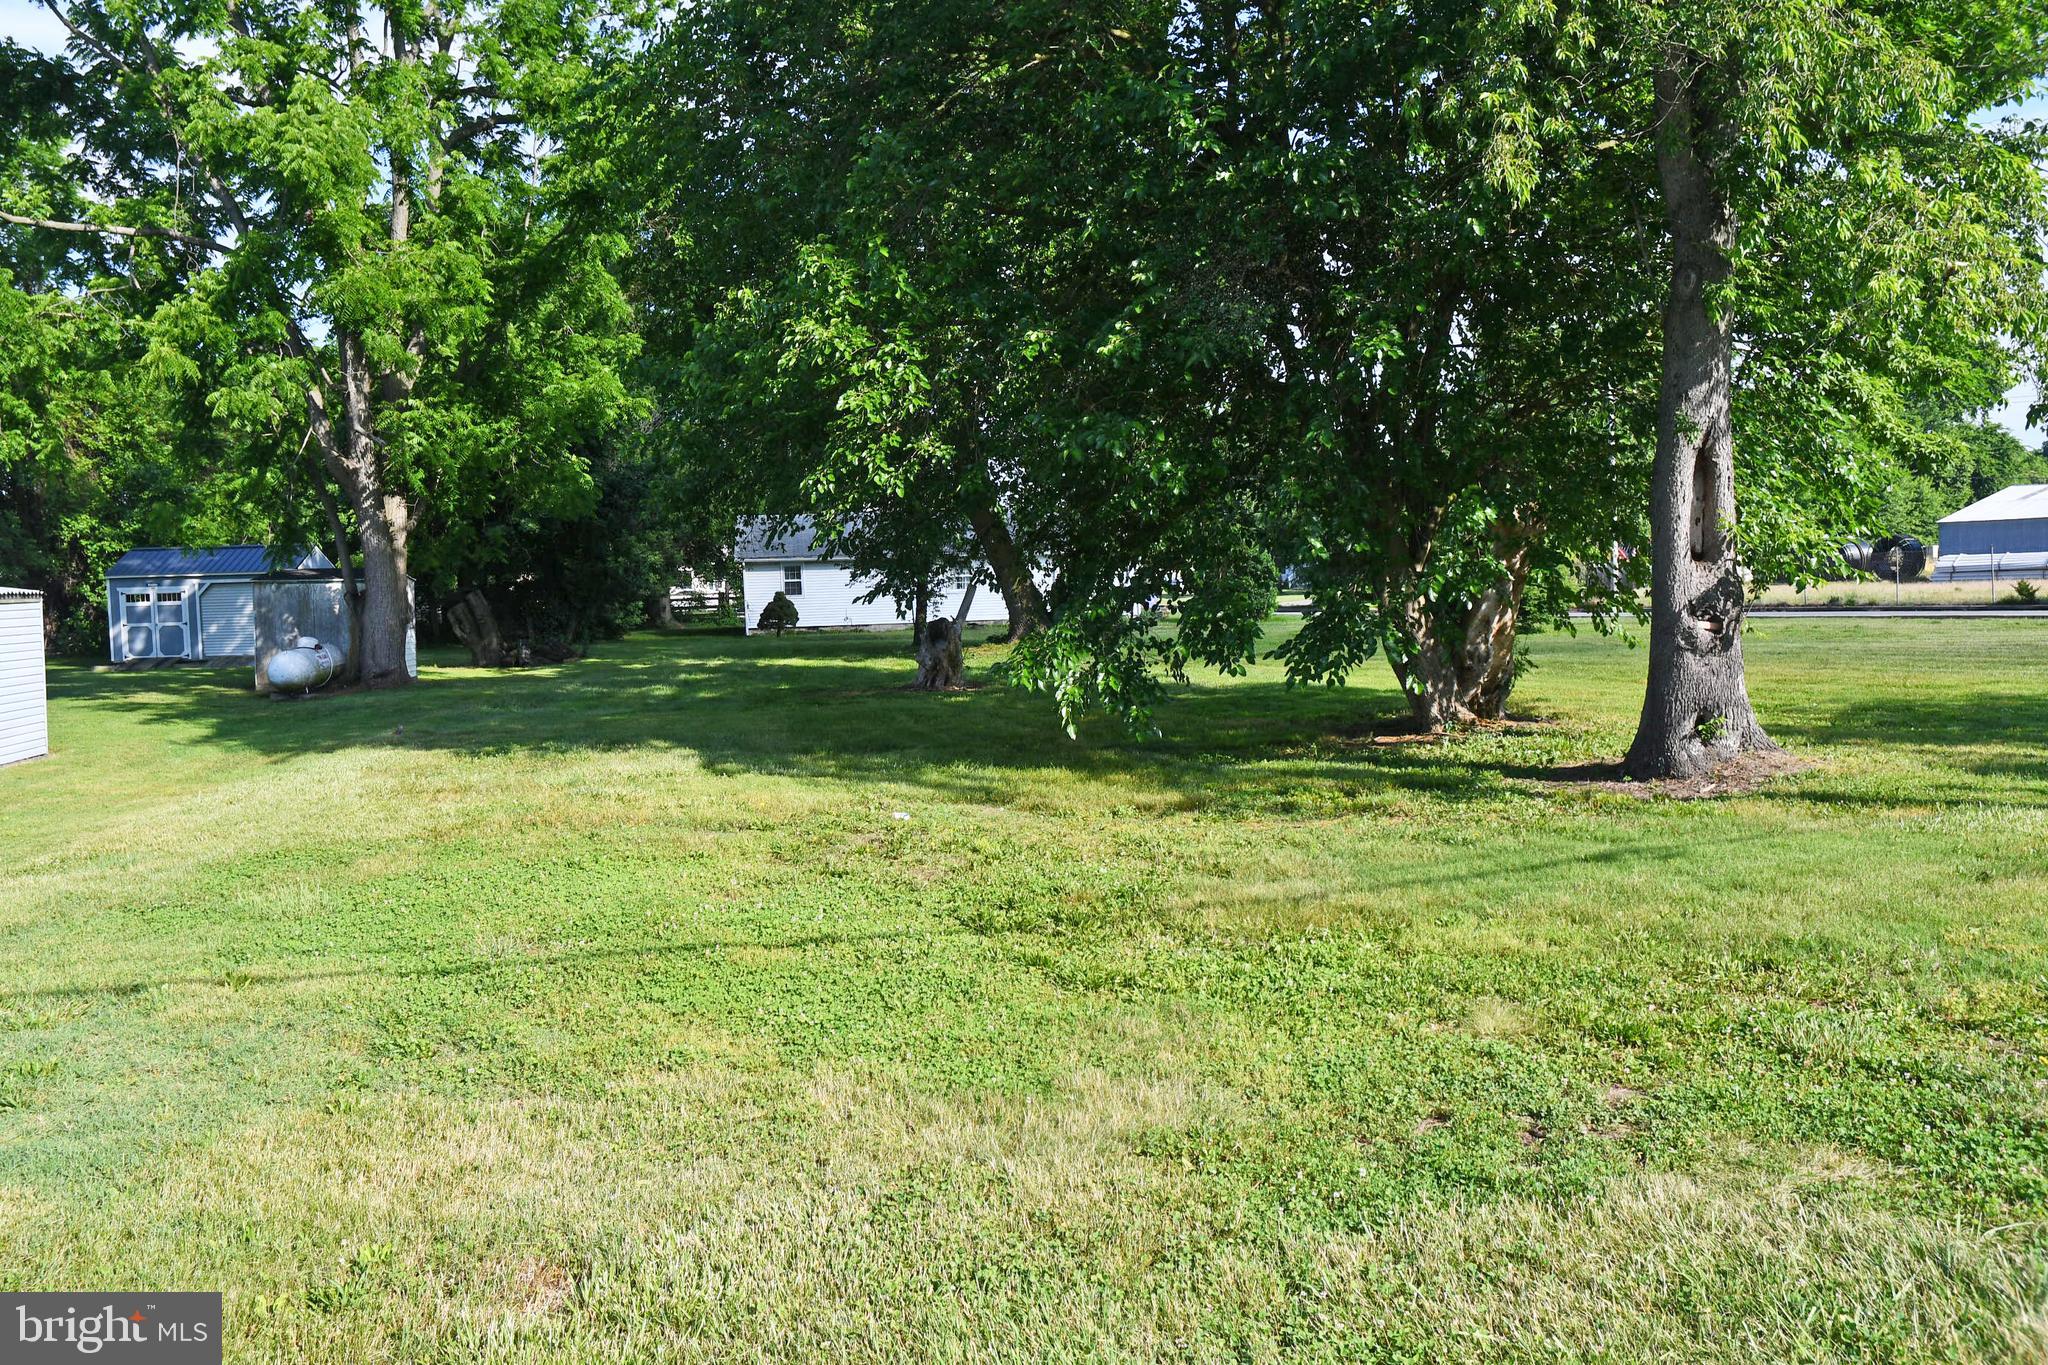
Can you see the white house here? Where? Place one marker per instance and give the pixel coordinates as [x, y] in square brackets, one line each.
[2002, 536]
[24, 699]
[825, 590]
[190, 604]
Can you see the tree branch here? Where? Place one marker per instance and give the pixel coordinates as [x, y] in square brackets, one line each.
[85, 38]
[117, 230]
[483, 123]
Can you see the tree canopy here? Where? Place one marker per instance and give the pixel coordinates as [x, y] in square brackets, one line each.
[1133, 309]
[336, 229]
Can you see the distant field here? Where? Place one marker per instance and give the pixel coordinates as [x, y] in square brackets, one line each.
[1869, 592]
[715, 998]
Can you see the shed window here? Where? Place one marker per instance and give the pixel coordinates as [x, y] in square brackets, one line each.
[170, 597]
[136, 598]
[793, 579]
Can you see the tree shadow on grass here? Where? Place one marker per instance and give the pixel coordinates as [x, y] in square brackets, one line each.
[240, 979]
[831, 707]
[2001, 734]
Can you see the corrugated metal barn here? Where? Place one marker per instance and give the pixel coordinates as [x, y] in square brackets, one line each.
[826, 592]
[2005, 534]
[24, 698]
[169, 603]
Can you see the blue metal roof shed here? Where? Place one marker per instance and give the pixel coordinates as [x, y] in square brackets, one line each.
[2002, 536]
[171, 602]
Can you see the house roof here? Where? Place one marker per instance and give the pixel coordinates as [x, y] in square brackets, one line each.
[235, 561]
[2021, 502]
[17, 594]
[756, 544]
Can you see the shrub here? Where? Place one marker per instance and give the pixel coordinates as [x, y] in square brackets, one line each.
[779, 615]
[81, 632]
[2026, 592]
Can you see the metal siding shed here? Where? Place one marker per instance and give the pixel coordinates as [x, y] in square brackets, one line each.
[2010, 525]
[24, 695]
[173, 602]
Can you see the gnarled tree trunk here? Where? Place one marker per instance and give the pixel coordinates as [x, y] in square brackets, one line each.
[1696, 711]
[1021, 597]
[1456, 680]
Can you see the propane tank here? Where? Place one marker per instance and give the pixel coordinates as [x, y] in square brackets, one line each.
[306, 665]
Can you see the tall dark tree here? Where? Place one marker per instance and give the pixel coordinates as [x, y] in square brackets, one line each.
[342, 218]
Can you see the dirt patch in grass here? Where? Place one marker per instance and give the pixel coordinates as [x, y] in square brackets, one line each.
[1739, 776]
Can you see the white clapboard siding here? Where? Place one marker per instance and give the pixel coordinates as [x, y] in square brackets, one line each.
[829, 598]
[24, 700]
[227, 620]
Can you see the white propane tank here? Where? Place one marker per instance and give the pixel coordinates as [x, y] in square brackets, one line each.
[305, 666]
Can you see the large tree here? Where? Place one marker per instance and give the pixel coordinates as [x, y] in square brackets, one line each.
[98, 452]
[1422, 207]
[341, 218]
[1379, 284]
[1839, 227]
[869, 296]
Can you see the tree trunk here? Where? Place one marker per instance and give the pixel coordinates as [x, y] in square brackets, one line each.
[387, 598]
[661, 610]
[1021, 597]
[1452, 682]
[383, 520]
[1696, 711]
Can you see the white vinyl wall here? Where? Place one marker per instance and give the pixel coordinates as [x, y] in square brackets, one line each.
[24, 699]
[828, 593]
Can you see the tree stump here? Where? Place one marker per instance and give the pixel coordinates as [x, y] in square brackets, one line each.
[939, 665]
[475, 624]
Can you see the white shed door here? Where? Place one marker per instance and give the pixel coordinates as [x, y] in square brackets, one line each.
[172, 639]
[227, 620]
[138, 628]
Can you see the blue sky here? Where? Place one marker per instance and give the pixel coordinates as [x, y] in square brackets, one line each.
[29, 24]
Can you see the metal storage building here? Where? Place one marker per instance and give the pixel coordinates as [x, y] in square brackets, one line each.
[825, 591]
[24, 697]
[2005, 534]
[171, 603]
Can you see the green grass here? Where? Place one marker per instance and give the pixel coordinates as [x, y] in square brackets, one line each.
[612, 1012]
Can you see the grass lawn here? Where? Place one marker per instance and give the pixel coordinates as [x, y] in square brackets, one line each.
[715, 998]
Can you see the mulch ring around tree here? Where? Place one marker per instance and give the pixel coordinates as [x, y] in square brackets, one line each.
[1739, 776]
